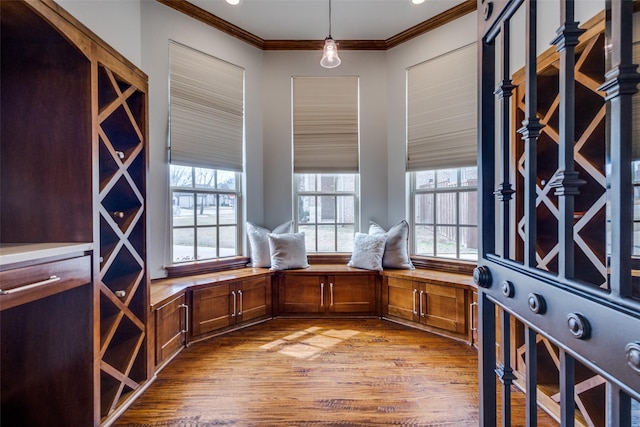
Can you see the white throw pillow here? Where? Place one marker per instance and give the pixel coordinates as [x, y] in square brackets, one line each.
[367, 251]
[396, 250]
[287, 251]
[259, 243]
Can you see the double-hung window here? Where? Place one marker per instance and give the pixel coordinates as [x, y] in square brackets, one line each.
[206, 128]
[325, 161]
[442, 155]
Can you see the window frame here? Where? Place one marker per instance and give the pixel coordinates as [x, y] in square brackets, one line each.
[195, 192]
[356, 214]
[435, 190]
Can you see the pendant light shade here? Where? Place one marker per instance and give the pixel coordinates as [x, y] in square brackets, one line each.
[330, 58]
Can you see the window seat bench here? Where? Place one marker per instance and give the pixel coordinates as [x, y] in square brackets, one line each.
[195, 307]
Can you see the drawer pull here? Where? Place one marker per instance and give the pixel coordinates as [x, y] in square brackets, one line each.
[415, 291]
[473, 326]
[48, 281]
[235, 304]
[186, 318]
[321, 294]
[240, 305]
[421, 310]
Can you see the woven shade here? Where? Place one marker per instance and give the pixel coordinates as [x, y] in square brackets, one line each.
[206, 104]
[325, 124]
[441, 111]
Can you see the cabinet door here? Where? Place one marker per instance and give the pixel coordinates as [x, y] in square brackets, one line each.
[351, 294]
[212, 309]
[401, 298]
[253, 299]
[302, 294]
[170, 328]
[445, 308]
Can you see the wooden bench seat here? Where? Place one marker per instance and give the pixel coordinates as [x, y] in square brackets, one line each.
[191, 308]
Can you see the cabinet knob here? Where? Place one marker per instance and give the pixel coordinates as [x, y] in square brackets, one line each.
[118, 214]
[482, 276]
[121, 293]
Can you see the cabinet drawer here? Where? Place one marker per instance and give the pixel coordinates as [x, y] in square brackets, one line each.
[26, 284]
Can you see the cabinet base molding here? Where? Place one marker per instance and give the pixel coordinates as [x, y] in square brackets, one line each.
[435, 331]
[126, 403]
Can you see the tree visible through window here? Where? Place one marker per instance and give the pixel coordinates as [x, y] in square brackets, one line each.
[326, 210]
[205, 213]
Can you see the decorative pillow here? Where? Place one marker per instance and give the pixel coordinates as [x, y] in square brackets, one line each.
[259, 243]
[367, 251]
[396, 250]
[287, 251]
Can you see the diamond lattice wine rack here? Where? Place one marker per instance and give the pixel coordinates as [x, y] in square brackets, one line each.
[122, 277]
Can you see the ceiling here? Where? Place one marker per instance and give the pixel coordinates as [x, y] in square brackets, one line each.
[260, 21]
[309, 19]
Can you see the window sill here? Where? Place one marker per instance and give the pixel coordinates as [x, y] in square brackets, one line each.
[210, 266]
[440, 264]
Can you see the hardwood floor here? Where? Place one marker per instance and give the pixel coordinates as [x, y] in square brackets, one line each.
[292, 372]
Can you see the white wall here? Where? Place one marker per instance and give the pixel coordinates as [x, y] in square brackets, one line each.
[159, 25]
[117, 22]
[140, 30]
[279, 67]
[441, 40]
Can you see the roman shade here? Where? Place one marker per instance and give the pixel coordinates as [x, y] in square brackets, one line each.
[206, 117]
[325, 124]
[441, 111]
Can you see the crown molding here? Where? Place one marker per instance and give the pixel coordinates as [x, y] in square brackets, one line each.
[214, 21]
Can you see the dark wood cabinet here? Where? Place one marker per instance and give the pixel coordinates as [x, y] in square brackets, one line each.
[440, 307]
[73, 165]
[308, 292]
[171, 323]
[46, 343]
[221, 306]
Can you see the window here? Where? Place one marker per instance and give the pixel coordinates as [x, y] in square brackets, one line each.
[326, 161]
[444, 211]
[204, 213]
[206, 135]
[326, 210]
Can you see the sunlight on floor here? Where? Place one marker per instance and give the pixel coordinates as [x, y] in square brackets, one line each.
[307, 344]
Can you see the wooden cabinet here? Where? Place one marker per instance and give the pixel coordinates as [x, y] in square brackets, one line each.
[46, 343]
[228, 304]
[73, 164]
[436, 306]
[171, 323]
[308, 292]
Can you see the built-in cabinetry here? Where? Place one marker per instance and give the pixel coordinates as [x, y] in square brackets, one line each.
[73, 164]
[46, 338]
[220, 306]
[440, 302]
[314, 292]
[171, 322]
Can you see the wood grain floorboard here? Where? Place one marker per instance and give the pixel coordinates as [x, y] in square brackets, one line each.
[310, 372]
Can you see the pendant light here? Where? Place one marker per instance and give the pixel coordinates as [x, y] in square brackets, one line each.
[330, 58]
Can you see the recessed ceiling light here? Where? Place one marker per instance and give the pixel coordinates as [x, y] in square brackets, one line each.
[412, 1]
[237, 2]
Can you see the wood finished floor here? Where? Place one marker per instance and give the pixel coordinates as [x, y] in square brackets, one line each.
[309, 372]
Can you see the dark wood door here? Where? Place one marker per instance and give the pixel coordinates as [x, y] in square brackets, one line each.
[253, 299]
[171, 328]
[302, 294]
[556, 214]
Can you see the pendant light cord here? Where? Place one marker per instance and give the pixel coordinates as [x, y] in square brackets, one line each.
[330, 19]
